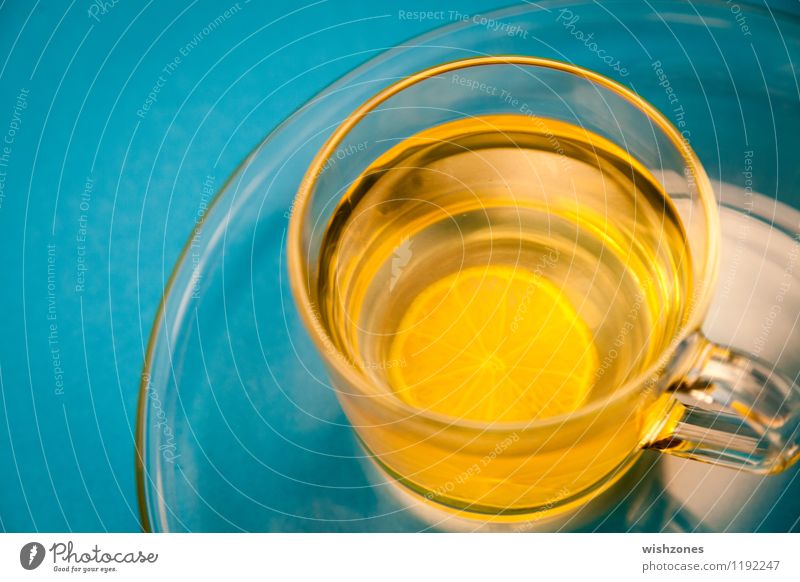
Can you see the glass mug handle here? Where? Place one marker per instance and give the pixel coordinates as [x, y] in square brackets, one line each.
[734, 410]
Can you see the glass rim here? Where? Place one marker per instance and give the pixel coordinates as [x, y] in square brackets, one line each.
[297, 263]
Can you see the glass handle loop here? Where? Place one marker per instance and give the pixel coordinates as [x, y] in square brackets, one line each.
[737, 411]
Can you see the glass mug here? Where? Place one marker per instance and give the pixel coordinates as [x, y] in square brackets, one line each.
[505, 263]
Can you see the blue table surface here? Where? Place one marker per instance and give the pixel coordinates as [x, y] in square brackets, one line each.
[113, 114]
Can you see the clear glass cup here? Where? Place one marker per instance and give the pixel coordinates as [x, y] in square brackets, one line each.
[696, 399]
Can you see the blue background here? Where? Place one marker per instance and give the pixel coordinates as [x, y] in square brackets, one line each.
[67, 460]
[67, 457]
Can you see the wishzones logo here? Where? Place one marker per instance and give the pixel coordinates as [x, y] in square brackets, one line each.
[31, 555]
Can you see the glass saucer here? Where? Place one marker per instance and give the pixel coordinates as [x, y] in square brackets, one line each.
[238, 429]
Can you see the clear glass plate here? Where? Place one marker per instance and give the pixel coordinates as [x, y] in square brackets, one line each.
[238, 429]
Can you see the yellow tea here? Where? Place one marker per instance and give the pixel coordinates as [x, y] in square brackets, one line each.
[503, 270]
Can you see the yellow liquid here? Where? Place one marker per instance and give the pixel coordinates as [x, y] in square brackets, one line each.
[503, 269]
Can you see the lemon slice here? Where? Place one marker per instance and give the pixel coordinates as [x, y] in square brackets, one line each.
[493, 343]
